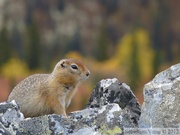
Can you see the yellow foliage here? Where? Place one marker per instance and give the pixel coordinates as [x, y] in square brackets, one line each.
[14, 69]
[73, 54]
[110, 64]
[145, 53]
[124, 49]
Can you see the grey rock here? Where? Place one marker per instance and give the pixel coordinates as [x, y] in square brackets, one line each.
[112, 91]
[89, 121]
[161, 108]
[10, 116]
[111, 108]
[103, 120]
[34, 126]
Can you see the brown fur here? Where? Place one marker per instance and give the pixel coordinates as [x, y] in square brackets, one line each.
[42, 94]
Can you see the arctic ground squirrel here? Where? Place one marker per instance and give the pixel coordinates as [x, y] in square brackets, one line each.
[41, 94]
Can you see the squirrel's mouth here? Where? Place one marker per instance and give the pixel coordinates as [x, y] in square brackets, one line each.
[84, 77]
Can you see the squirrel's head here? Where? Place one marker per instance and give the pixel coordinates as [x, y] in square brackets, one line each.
[71, 69]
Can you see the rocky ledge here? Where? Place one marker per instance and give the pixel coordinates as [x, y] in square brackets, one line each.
[112, 108]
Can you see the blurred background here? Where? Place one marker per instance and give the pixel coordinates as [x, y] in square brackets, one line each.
[124, 39]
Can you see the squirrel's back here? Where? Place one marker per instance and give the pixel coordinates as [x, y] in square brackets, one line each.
[27, 93]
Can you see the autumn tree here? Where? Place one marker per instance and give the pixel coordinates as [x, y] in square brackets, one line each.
[33, 47]
[5, 48]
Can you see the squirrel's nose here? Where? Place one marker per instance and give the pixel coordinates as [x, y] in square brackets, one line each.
[88, 73]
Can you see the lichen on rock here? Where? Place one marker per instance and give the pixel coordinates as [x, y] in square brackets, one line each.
[111, 108]
[161, 106]
[112, 91]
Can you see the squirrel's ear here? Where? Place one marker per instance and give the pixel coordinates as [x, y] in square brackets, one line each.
[62, 63]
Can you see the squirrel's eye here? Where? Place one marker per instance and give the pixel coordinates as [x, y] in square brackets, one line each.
[74, 67]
